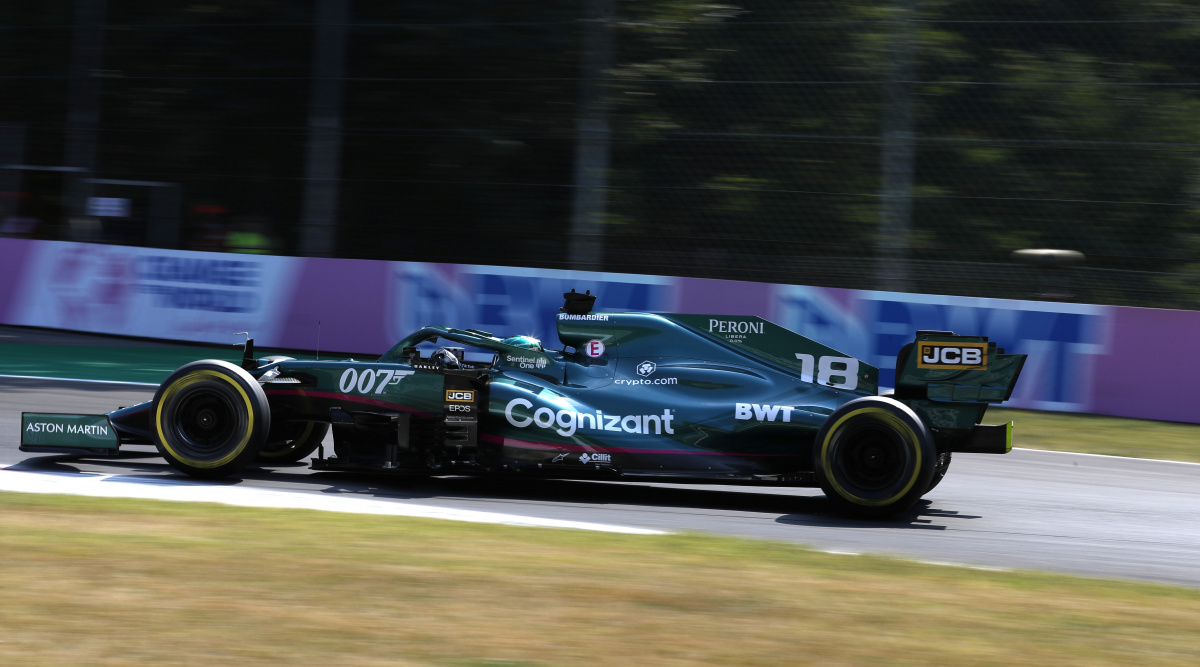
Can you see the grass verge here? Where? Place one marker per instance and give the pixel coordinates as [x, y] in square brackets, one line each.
[1097, 434]
[122, 582]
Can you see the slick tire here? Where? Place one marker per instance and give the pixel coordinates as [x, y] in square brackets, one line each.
[874, 457]
[210, 419]
[289, 442]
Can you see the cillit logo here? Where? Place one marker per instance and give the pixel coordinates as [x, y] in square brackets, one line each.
[460, 396]
[961, 356]
[595, 458]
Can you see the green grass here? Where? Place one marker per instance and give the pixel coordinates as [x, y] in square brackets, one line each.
[1097, 434]
[122, 582]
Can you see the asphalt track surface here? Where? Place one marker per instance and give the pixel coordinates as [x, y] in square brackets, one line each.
[1073, 513]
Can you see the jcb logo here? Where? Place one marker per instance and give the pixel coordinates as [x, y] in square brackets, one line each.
[962, 356]
[460, 396]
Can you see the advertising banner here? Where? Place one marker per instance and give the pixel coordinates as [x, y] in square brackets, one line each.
[172, 294]
[1151, 370]
[14, 253]
[1131, 362]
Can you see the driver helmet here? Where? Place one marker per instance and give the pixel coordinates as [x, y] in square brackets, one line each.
[524, 342]
[447, 358]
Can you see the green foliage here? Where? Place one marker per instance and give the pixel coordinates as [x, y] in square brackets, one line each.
[1036, 123]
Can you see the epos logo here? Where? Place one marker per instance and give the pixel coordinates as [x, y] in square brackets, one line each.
[962, 356]
[460, 396]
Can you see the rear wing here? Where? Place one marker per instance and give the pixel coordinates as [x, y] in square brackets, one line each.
[949, 380]
[943, 367]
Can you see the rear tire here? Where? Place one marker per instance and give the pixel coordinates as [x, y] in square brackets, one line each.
[939, 470]
[210, 418]
[290, 442]
[874, 457]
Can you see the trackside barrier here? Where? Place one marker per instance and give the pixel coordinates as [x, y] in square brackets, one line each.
[1133, 362]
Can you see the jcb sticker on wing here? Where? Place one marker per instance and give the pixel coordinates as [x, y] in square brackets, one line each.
[460, 396]
[961, 356]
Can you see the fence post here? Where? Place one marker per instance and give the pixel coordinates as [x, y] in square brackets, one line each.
[323, 158]
[592, 151]
[83, 103]
[895, 208]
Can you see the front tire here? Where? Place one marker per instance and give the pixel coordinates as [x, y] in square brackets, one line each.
[210, 418]
[874, 457]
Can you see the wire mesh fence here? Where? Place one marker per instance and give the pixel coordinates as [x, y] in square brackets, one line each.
[910, 145]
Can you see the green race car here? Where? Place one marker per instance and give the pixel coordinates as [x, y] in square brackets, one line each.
[632, 396]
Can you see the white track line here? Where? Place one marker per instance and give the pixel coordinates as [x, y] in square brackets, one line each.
[941, 563]
[174, 490]
[1106, 456]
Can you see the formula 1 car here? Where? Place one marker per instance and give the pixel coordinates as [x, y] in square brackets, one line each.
[633, 396]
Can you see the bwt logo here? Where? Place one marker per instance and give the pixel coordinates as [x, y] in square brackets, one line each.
[972, 356]
[460, 396]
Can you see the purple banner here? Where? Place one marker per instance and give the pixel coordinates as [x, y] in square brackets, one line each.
[338, 305]
[1152, 370]
[14, 254]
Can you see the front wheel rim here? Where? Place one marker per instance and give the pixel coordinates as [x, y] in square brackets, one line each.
[205, 421]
